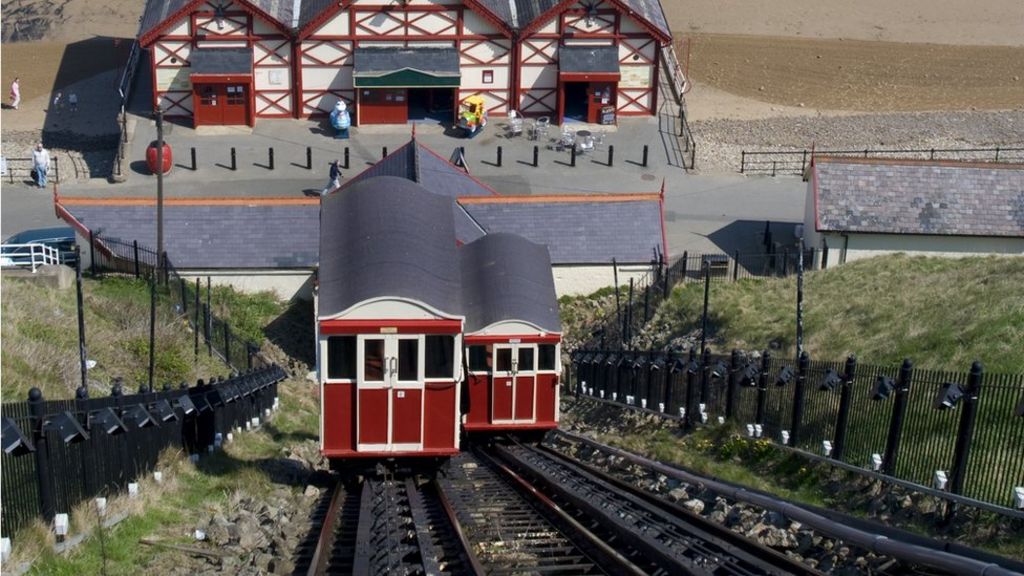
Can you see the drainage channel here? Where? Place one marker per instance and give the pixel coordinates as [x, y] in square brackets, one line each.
[661, 540]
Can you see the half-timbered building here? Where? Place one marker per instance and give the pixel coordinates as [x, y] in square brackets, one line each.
[394, 61]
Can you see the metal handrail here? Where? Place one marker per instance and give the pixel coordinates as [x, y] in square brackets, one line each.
[796, 161]
[38, 255]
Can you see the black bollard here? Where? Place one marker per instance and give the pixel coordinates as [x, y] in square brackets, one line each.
[309, 158]
[346, 158]
[270, 158]
[234, 160]
[572, 157]
[194, 166]
[498, 163]
[536, 156]
[644, 161]
[384, 152]
[611, 155]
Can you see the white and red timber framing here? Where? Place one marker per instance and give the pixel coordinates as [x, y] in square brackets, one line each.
[233, 61]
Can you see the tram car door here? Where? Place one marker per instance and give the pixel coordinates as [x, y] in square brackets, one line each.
[389, 400]
[514, 384]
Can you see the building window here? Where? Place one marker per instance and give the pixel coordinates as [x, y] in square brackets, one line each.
[488, 76]
[546, 357]
[479, 358]
[440, 357]
[341, 357]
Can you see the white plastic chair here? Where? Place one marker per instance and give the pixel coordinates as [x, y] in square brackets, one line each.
[515, 124]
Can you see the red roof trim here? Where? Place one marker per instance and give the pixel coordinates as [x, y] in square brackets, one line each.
[560, 199]
[491, 17]
[645, 22]
[545, 17]
[319, 20]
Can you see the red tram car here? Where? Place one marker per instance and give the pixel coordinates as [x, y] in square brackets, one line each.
[397, 304]
[512, 335]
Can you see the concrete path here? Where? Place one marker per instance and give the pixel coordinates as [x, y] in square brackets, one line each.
[703, 213]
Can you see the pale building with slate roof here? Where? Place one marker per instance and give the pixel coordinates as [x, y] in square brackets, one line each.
[861, 208]
[393, 62]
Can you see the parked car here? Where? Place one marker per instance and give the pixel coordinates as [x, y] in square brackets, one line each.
[61, 238]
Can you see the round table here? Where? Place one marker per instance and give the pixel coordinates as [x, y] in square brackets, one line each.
[583, 133]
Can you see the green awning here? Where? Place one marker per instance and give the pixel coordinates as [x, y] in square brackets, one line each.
[406, 68]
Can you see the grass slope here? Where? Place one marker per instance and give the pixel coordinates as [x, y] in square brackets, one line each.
[942, 313]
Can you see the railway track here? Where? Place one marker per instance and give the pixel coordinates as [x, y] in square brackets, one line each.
[516, 509]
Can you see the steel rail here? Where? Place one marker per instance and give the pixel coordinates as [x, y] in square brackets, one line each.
[763, 553]
[325, 542]
[474, 563]
[931, 556]
[672, 543]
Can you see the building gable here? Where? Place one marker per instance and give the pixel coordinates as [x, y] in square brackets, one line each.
[160, 16]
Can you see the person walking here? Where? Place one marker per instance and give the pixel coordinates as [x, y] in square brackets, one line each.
[56, 102]
[15, 93]
[73, 102]
[335, 178]
[40, 164]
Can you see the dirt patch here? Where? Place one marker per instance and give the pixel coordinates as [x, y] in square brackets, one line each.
[860, 75]
[69, 20]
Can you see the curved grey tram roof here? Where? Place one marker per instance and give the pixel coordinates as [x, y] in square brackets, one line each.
[387, 237]
[507, 277]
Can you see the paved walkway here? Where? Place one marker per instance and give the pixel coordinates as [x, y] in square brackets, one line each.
[703, 213]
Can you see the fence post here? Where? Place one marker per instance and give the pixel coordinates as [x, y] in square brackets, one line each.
[195, 325]
[666, 382]
[690, 381]
[802, 365]
[647, 302]
[803, 168]
[762, 388]
[37, 408]
[618, 301]
[899, 409]
[705, 373]
[686, 262]
[629, 314]
[734, 378]
[82, 407]
[135, 251]
[208, 320]
[965, 432]
[785, 262]
[227, 343]
[736, 265]
[184, 297]
[843, 418]
[92, 255]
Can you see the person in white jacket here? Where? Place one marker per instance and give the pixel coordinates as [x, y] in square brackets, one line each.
[40, 164]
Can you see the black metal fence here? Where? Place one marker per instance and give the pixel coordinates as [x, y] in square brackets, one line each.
[775, 162]
[636, 302]
[58, 453]
[927, 427]
[119, 257]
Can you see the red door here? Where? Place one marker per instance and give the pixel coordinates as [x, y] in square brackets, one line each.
[206, 105]
[383, 106]
[599, 94]
[502, 384]
[389, 402]
[526, 381]
[235, 105]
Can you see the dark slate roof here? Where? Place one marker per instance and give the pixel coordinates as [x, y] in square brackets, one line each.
[387, 236]
[506, 277]
[415, 162]
[156, 11]
[220, 61]
[588, 59]
[378, 61]
[652, 12]
[215, 236]
[310, 9]
[579, 232]
[518, 14]
[919, 197]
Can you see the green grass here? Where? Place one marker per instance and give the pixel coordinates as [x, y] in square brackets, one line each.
[248, 314]
[942, 313]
